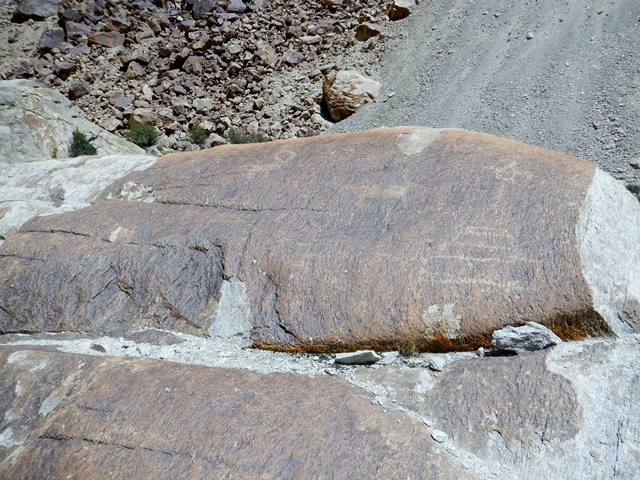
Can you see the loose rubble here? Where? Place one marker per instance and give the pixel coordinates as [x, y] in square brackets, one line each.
[258, 65]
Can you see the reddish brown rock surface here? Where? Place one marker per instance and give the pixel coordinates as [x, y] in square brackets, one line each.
[341, 242]
[74, 416]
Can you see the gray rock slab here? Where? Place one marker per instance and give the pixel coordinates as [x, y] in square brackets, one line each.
[567, 412]
[75, 416]
[527, 338]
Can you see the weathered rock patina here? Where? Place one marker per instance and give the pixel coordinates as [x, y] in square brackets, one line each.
[336, 243]
[98, 417]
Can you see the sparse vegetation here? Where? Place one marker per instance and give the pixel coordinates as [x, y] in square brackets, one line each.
[197, 135]
[80, 145]
[635, 189]
[408, 347]
[240, 135]
[142, 134]
[54, 153]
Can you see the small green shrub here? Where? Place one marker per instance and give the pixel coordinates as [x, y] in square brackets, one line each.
[197, 135]
[142, 134]
[635, 189]
[240, 135]
[80, 145]
[407, 347]
[54, 153]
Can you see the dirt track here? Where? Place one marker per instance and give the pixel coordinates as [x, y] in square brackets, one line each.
[573, 86]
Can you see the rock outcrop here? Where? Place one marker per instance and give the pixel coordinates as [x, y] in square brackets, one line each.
[70, 415]
[37, 123]
[339, 243]
[566, 412]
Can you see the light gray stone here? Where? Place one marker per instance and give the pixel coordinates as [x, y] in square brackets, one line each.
[55, 186]
[233, 320]
[360, 357]
[527, 338]
[610, 251]
[38, 123]
[346, 91]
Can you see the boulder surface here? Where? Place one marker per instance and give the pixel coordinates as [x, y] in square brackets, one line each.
[73, 415]
[58, 185]
[335, 243]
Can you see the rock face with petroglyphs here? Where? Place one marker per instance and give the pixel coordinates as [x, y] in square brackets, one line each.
[338, 243]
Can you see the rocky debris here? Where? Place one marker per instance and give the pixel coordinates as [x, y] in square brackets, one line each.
[388, 204]
[360, 357]
[35, 9]
[401, 9]
[231, 55]
[346, 91]
[53, 186]
[37, 123]
[367, 30]
[123, 417]
[527, 338]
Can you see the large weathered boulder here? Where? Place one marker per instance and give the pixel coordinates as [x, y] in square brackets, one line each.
[340, 242]
[346, 91]
[74, 416]
[37, 123]
[52, 186]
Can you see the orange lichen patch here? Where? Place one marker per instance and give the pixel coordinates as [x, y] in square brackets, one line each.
[578, 325]
[569, 333]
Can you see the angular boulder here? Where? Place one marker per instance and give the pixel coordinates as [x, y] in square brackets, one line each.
[107, 39]
[346, 91]
[37, 123]
[527, 338]
[75, 416]
[400, 9]
[34, 9]
[339, 242]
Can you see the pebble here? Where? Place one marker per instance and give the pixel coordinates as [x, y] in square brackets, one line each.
[439, 436]
[360, 357]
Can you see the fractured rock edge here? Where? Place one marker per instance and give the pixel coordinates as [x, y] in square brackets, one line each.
[614, 276]
[615, 361]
